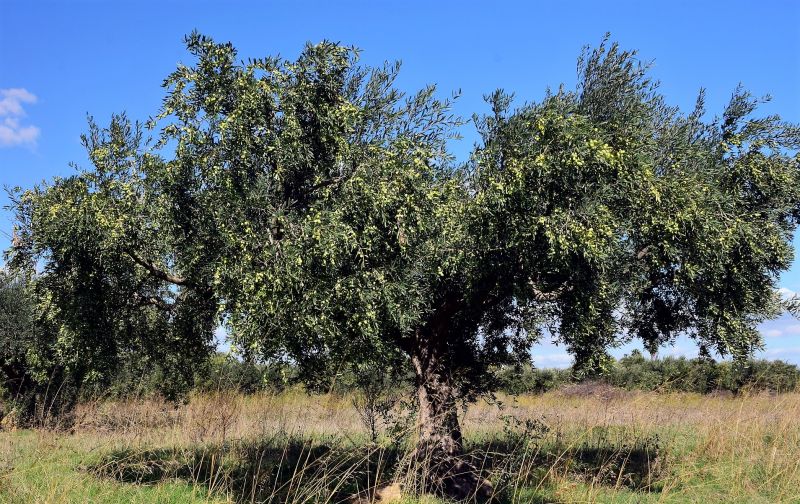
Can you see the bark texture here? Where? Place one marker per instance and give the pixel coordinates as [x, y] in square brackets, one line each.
[441, 465]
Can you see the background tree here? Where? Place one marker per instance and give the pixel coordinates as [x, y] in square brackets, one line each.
[313, 209]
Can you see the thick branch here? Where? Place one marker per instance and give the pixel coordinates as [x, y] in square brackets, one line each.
[156, 271]
[553, 295]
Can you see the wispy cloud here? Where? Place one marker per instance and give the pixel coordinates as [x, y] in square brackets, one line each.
[786, 330]
[558, 360]
[12, 131]
[782, 352]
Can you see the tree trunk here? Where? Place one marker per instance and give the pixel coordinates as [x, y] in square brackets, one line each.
[441, 465]
[438, 415]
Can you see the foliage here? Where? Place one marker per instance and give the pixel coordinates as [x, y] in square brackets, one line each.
[97, 297]
[703, 375]
[226, 372]
[670, 374]
[375, 397]
[644, 221]
[145, 378]
[16, 317]
[519, 380]
[36, 388]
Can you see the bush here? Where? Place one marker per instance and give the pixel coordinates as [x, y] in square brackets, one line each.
[518, 380]
[703, 375]
[228, 373]
[671, 374]
[221, 372]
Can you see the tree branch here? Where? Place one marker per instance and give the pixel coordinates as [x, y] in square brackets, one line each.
[156, 271]
[552, 295]
[152, 301]
[326, 183]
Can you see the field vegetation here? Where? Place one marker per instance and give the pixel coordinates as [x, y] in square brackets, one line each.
[588, 442]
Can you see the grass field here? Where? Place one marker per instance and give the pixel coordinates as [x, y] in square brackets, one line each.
[566, 446]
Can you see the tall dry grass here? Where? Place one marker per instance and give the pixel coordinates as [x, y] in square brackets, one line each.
[574, 445]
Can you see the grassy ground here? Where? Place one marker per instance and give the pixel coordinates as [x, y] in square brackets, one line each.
[567, 446]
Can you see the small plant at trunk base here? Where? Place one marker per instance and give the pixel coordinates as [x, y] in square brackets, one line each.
[314, 209]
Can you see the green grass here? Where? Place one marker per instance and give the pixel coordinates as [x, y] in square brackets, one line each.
[44, 467]
[635, 448]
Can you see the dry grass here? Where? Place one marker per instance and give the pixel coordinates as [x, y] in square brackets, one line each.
[565, 446]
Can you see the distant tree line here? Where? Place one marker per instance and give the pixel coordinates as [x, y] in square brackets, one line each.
[701, 375]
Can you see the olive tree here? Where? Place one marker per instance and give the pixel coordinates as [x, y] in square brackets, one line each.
[313, 208]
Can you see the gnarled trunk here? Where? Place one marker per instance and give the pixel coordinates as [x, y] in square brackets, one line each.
[437, 420]
[441, 465]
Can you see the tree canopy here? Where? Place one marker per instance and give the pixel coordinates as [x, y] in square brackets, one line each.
[313, 208]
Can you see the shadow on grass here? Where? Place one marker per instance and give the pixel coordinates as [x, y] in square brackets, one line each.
[275, 470]
[329, 470]
[638, 465]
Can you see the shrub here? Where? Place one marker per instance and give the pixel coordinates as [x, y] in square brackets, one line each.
[701, 375]
[518, 380]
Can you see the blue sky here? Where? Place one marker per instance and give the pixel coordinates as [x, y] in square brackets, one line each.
[60, 61]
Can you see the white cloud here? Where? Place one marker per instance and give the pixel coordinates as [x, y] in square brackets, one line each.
[558, 360]
[12, 132]
[786, 293]
[782, 330]
[12, 100]
[779, 352]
